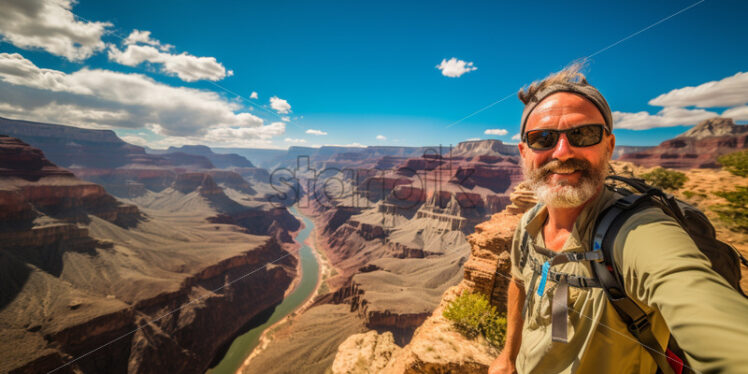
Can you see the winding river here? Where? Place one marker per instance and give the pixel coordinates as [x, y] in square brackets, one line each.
[243, 345]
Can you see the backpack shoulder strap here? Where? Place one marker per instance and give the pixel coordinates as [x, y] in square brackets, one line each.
[525, 236]
[606, 229]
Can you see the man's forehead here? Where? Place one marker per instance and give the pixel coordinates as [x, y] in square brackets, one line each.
[565, 104]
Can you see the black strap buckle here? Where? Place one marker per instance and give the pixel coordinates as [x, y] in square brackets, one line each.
[638, 326]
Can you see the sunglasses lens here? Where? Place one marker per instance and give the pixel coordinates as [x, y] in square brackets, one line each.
[585, 136]
[541, 139]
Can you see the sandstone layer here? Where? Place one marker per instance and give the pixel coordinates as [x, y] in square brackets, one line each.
[436, 347]
[699, 147]
[92, 284]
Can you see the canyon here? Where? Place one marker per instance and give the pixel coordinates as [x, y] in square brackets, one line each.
[156, 277]
[698, 147]
[142, 252]
[396, 235]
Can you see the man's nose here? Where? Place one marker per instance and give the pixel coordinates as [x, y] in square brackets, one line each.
[563, 150]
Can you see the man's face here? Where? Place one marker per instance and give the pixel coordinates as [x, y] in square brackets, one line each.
[566, 176]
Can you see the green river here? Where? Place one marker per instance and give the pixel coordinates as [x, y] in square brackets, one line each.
[243, 345]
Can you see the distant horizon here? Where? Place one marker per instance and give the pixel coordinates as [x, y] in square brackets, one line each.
[742, 123]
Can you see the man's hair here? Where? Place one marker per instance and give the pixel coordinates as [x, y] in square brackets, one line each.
[571, 74]
[570, 79]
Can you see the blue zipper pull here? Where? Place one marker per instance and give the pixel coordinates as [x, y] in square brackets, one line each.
[543, 277]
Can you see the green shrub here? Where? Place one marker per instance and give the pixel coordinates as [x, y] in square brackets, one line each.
[735, 212]
[665, 179]
[473, 315]
[736, 163]
[689, 194]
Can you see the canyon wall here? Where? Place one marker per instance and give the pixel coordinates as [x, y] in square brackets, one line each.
[92, 284]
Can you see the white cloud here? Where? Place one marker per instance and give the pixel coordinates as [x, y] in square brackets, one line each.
[517, 137]
[187, 67]
[455, 68]
[107, 99]
[51, 26]
[739, 113]
[144, 37]
[473, 139]
[279, 105]
[499, 132]
[291, 140]
[253, 95]
[667, 117]
[316, 132]
[730, 92]
[286, 119]
[381, 137]
[353, 145]
[727, 92]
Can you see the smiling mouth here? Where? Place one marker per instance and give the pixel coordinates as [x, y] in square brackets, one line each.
[564, 171]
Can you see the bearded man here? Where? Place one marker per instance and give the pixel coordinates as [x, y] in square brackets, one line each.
[555, 327]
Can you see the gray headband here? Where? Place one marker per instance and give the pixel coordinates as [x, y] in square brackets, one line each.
[583, 89]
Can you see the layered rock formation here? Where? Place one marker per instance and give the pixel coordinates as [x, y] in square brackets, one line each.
[409, 209]
[436, 347]
[484, 148]
[90, 284]
[699, 147]
[220, 160]
[717, 126]
[70, 146]
[28, 181]
[396, 238]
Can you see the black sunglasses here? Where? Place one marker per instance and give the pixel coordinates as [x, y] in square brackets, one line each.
[581, 136]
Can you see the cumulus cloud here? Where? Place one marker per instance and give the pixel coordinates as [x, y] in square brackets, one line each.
[253, 95]
[279, 105]
[730, 92]
[499, 132]
[381, 137]
[107, 99]
[187, 67]
[739, 113]
[316, 132]
[292, 140]
[517, 137]
[50, 25]
[667, 117]
[144, 37]
[727, 92]
[455, 68]
[286, 119]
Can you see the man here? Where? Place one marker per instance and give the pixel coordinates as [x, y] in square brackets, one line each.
[663, 270]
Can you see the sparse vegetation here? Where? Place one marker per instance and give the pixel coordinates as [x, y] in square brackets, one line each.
[665, 179]
[691, 194]
[735, 212]
[472, 315]
[736, 163]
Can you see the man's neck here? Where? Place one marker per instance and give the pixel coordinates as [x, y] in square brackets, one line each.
[560, 223]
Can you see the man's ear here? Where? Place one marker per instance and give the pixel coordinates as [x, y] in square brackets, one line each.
[611, 143]
[521, 147]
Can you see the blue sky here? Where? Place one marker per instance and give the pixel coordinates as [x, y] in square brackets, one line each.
[363, 72]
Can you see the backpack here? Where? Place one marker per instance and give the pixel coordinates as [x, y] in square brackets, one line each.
[725, 260]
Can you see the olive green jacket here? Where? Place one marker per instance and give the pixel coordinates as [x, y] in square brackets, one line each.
[663, 271]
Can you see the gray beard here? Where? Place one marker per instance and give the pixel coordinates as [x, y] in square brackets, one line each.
[566, 195]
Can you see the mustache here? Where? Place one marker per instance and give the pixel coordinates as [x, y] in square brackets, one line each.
[573, 163]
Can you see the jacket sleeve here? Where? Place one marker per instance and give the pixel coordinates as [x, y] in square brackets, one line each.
[663, 269]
